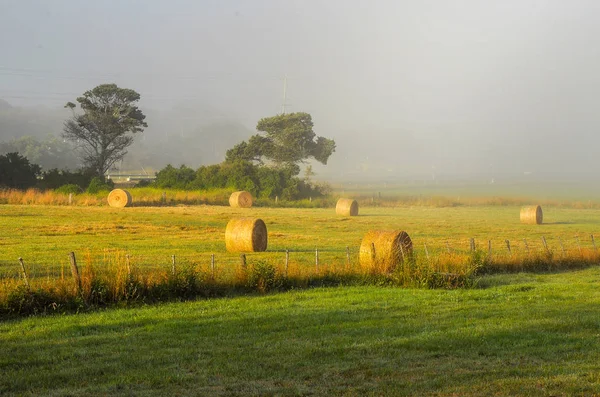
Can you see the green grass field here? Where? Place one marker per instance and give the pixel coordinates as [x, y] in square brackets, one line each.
[513, 334]
[44, 235]
[519, 334]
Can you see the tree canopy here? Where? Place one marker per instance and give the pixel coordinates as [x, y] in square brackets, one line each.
[17, 172]
[104, 131]
[288, 139]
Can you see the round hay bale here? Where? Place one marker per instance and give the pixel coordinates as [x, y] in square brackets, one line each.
[381, 251]
[346, 207]
[532, 215]
[241, 199]
[119, 198]
[246, 235]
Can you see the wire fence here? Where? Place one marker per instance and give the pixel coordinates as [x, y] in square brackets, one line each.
[440, 255]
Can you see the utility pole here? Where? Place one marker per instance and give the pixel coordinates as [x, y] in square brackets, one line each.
[283, 104]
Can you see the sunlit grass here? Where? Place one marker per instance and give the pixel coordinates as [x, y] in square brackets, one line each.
[44, 235]
[521, 334]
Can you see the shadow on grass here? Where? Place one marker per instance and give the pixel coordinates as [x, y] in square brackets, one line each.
[493, 280]
[288, 346]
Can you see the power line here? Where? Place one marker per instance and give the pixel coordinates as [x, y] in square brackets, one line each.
[75, 75]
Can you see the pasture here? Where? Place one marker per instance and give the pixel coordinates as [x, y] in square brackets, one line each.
[44, 235]
[513, 333]
[519, 334]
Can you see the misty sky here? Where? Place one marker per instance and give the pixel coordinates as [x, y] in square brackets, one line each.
[465, 86]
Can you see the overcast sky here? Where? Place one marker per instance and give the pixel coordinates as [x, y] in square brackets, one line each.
[404, 87]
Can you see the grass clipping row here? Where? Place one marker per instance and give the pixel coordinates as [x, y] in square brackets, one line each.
[119, 198]
[246, 235]
[346, 207]
[382, 251]
[241, 199]
[532, 215]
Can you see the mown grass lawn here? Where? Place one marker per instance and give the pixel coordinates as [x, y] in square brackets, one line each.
[519, 334]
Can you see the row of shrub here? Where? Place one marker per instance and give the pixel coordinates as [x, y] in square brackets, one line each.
[16, 172]
[260, 180]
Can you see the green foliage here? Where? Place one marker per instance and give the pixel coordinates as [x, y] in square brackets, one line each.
[17, 172]
[97, 185]
[102, 132]
[69, 189]
[260, 180]
[288, 140]
[262, 277]
[175, 178]
[55, 178]
[24, 302]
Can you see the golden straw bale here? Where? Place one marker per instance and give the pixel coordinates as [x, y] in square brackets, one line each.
[119, 198]
[241, 199]
[381, 251]
[532, 215]
[246, 235]
[346, 207]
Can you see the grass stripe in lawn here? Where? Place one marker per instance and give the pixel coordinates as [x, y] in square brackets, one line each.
[521, 334]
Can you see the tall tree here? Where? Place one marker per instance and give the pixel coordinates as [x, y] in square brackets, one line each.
[105, 129]
[288, 140]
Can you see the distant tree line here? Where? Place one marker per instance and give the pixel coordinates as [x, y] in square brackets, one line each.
[261, 181]
[17, 172]
[267, 165]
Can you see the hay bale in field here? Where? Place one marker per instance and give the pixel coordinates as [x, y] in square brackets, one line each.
[532, 215]
[346, 207]
[119, 198]
[241, 199]
[382, 251]
[246, 235]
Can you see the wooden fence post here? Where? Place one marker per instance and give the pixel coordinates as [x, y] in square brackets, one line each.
[212, 265]
[426, 251]
[508, 246]
[75, 271]
[287, 261]
[578, 245]
[25, 279]
[545, 245]
[373, 252]
[243, 261]
[472, 244]
[128, 264]
[317, 260]
[526, 246]
[173, 265]
[593, 242]
[348, 256]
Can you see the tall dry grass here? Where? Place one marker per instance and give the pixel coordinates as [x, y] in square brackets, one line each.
[148, 196]
[117, 282]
